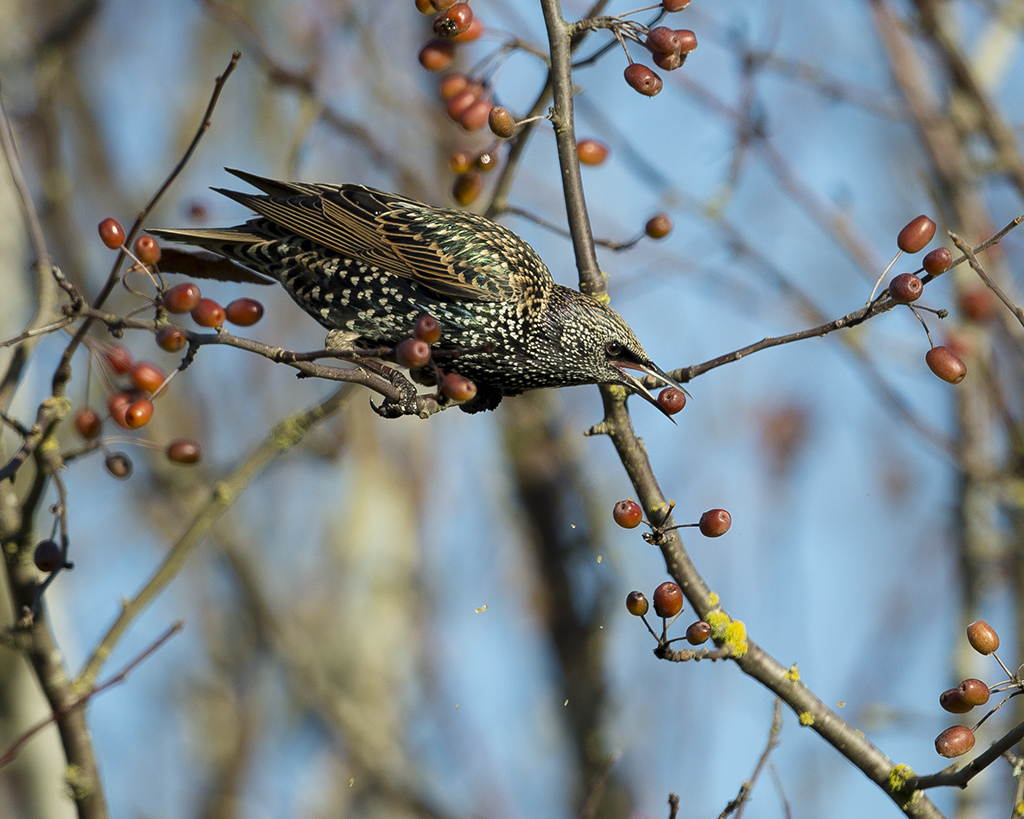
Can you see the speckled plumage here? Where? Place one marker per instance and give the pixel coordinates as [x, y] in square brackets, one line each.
[366, 264]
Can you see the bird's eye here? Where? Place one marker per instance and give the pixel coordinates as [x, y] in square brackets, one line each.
[613, 348]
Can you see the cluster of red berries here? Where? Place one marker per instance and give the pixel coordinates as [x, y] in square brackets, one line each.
[669, 49]
[668, 603]
[712, 523]
[908, 287]
[415, 354]
[187, 298]
[959, 739]
[454, 23]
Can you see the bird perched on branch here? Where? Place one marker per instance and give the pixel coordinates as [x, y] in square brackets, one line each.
[367, 264]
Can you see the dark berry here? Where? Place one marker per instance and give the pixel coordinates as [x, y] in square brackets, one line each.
[668, 599]
[687, 40]
[208, 313]
[628, 514]
[668, 62]
[460, 102]
[977, 303]
[642, 79]
[183, 451]
[663, 39]
[591, 152]
[715, 523]
[951, 701]
[111, 233]
[119, 465]
[674, 5]
[475, 116]
[658, 226]
[147, 377]
[457, 388]
[698, 633]
[182, 298]
[954, 741]
[48, 556]
[982, 637]
[244, 312]
[636, 604]
[412, 353]
[946, 364]
[486, 161]
[428, 329]
[88, 423]
[147, 250]
[437, 55]
[671, 400]
[501, 122]
[171, 338]
[916, 234]
[905, 288]
[937, 261]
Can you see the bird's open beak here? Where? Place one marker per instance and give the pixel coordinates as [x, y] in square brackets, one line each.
[637, 386]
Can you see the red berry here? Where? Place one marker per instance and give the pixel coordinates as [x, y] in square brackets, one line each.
[917, 233]
[663, 39]
[147, 377]
[453, 84]
[687, 40]
[501, 122]
[671, 400]
[658, 226]
[475, 116]
[698, 633]
[642, 79]
[118, 405]
[467, 188]
[182, 298]
[119, 359]
[208, 313]
[715, 523]
[171, 338]
[147, 250]
[437, 55]
[428, 329]
[973, 691]
[674, 5]
[244, 312]
[954, 741]
[636, 604]
[138, 413]
[951, 701]
[983, 638]
[459, 103]
[183, 451]
[591, 152]
[668, 599]
[48, 556]
[668, 62]
[111, 233]
[454, 21]
[628, 514]
[905, 288]
[474, 32]
[119, 465]
[457, 388]
[937, 261]
[412, 353]
[88, 423]
[946, 364]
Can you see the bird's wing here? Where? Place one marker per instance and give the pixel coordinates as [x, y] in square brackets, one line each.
[449, 252]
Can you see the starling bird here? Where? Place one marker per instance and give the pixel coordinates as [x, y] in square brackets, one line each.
[367, 264]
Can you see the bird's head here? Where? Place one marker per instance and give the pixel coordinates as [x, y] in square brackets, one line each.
[594, 345]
